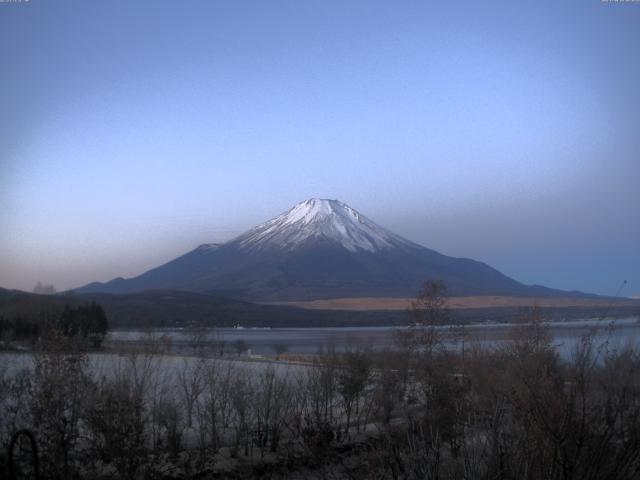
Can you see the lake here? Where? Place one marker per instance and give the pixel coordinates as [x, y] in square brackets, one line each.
[566, 336]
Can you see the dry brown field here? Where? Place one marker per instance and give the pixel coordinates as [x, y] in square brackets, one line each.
[390, 303]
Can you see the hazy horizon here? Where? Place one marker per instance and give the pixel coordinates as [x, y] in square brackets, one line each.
[135, 131]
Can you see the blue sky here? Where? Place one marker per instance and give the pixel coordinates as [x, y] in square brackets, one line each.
[507, 132]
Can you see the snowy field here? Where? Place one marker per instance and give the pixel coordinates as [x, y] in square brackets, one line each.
[110, 364]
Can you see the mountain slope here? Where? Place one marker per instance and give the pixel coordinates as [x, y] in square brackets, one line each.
[319, 249]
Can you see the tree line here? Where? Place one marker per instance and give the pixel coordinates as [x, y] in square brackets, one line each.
[86, 323]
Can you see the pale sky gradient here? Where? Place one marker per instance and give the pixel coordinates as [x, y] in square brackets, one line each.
[508, 132]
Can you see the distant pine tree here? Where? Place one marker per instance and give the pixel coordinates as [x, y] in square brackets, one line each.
[87, 321]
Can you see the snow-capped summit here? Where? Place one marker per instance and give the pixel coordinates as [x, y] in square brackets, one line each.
[320, 220]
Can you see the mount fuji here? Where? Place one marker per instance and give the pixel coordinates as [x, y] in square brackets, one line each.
[319, 249]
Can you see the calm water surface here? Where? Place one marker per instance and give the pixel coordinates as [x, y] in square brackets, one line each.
[566, 336]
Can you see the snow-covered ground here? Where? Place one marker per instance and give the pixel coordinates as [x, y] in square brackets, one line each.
[108, 364]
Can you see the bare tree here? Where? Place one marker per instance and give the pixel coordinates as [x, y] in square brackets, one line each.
[389, 389]
[431, 305]
[321, 387]
[428, 312]
[171, 421]
[191, 386]
[352, 381]
[59, 390]
[272, 407]
[241, 399]
[214, 407]
[116, 420]
[198, 337]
